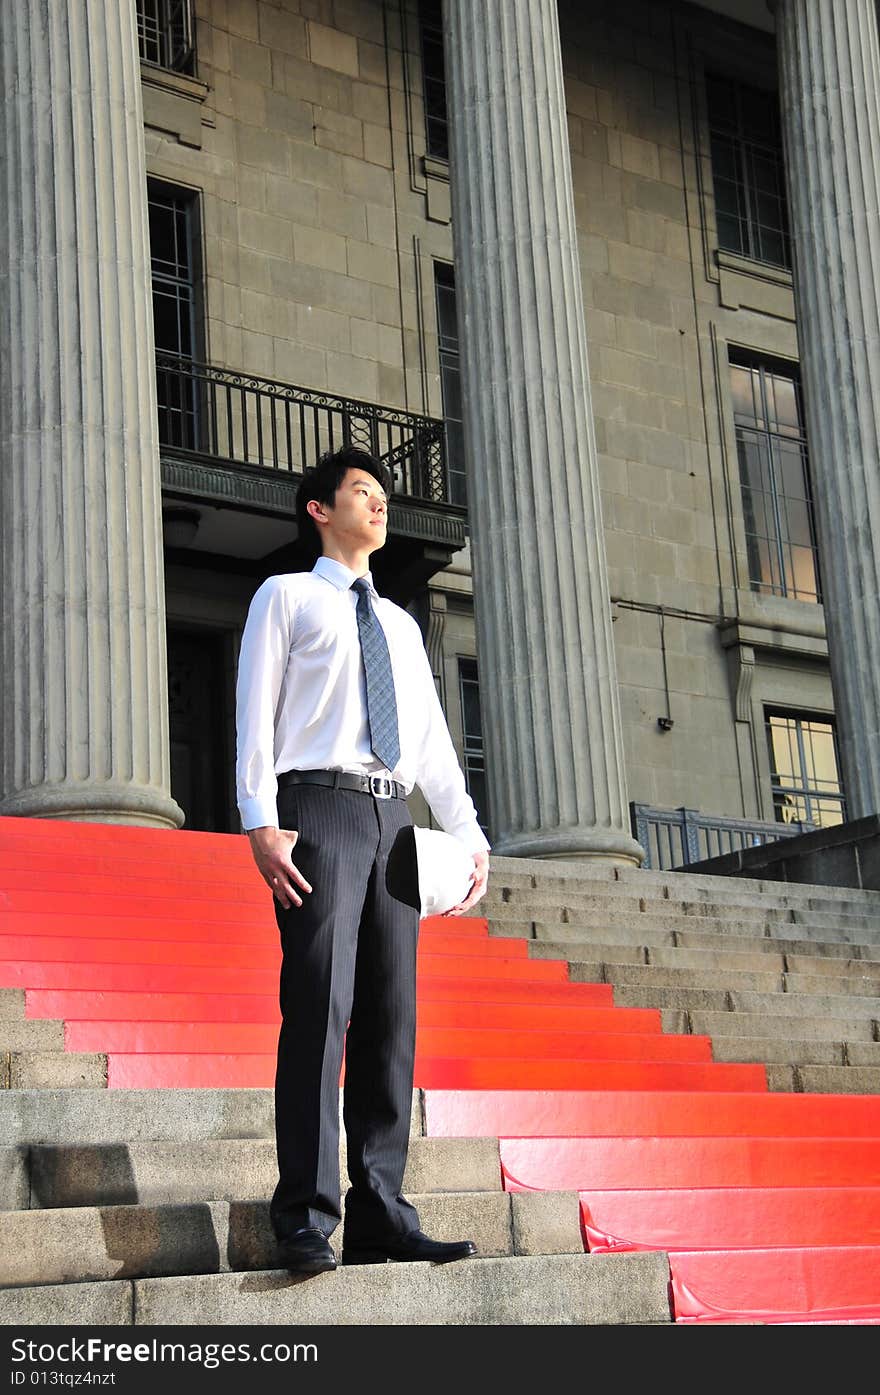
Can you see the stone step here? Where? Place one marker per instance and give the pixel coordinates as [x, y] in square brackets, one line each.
[32, 1034]
[793, 942]
[556, 1290]
[86, 1116]
[565, 938]
[645, 975]
[52, 1070]
[594, 951]
[724, 960]
[862, 1053]
[230, 1169]
[816, 965]
[83, 1244]
[738, 1000]
[100, 1116]
[571, 876]
[750, 961]
[607, 926]
[793, 1051]
[634, 935]
[634, 909]
[12, 1004]
[512, 905]
[848, 984]
[590, 872]
[735, 980]
[834, 1080]
[501, 901]
[719, 1025]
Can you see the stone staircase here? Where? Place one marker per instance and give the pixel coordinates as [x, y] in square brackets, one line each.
[773, 972]
[151, 1207]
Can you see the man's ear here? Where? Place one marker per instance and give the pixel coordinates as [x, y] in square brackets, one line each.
[316, 510]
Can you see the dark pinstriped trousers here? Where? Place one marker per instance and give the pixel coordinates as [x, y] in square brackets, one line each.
[349, 962]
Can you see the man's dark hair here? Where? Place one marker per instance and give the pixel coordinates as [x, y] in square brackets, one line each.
[322, 481]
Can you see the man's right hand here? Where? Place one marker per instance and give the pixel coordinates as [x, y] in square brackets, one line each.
[272, 848]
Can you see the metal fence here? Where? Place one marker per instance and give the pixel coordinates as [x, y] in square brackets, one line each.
[673, 838]
[256, 421]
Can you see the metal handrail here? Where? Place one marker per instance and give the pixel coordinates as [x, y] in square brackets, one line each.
[674, 838]
[206, 410]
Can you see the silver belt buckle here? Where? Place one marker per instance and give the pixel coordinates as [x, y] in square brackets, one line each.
[381, 787]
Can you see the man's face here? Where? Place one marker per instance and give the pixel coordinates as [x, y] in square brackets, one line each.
[359, 516]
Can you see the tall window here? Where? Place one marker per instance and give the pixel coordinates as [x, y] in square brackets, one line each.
[804, 769]
[748, 173]
[777, 507]
[450, 379]
[174, 261]
[434, 78]
[474, 762]
[165, 33]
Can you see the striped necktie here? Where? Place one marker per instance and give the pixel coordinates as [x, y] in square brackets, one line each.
[381, 700]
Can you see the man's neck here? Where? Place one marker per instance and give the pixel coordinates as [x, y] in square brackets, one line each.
[357, 561]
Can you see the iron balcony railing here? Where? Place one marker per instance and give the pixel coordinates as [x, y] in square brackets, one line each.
[211, 411]
[673, 838]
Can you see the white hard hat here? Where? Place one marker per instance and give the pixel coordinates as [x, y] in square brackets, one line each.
[428, 870]
[446, 870]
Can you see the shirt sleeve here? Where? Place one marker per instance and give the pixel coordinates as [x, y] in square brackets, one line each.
[265, 648]
[440, 777]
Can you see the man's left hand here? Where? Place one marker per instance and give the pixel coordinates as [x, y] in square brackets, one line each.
[478, 885]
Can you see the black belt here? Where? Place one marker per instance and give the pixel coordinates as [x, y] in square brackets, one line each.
[379, 785]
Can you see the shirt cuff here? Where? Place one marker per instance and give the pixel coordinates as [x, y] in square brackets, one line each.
[258, 813]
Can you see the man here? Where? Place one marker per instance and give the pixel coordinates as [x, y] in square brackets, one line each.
[337, 718]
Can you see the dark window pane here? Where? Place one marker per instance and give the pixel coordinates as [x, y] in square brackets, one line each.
[731, 234]
[724, 162]
[721, 98]
[747, 171]
[165, 33]
[450, 379]
[172, 256]
[472, 727]
[434, 79]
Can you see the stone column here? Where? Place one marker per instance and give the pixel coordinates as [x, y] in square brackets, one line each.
[547, 674]
[830, 92]
[84, 689]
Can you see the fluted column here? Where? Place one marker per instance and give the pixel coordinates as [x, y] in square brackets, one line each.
[547, 674]
[830, 93]
[84, 689]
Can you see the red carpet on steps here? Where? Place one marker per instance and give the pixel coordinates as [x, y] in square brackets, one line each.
[160, 951]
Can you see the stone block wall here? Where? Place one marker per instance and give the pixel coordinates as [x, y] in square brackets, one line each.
[322, 219]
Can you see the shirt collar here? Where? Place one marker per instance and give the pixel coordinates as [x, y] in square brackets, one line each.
[339, 575]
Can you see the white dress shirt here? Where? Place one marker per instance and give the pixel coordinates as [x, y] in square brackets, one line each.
[301, 699]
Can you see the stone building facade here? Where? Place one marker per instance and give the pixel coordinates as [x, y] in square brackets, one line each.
[662, 248]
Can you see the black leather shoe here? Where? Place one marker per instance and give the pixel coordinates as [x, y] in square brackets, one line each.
[306, 1251]
[415, 1245]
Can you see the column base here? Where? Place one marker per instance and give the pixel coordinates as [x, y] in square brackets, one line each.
[95, 802]
[604, 844]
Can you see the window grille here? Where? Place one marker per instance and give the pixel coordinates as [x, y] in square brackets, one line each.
[774, 473]
[748, 171]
